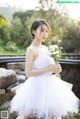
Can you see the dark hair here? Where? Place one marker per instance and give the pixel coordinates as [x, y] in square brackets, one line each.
[37, 23]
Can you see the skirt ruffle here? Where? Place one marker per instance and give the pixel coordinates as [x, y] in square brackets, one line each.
[45, 96]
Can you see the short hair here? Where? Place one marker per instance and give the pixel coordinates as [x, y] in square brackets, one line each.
[38, 23]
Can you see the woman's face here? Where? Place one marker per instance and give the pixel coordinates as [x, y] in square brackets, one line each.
[41, 33]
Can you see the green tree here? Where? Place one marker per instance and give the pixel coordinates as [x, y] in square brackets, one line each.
[23, 16]
[19, 34]
[71, 38]
[4, 33]
[20, 31]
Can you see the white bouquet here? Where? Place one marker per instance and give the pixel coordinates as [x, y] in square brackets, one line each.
[55, 52]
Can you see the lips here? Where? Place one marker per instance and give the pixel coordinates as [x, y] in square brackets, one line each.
[44, 37]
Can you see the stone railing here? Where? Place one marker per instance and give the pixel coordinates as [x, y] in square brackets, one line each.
[71, 56]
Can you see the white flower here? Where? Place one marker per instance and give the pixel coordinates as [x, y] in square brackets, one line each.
[55, 52]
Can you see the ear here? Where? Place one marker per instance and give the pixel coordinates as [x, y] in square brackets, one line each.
[33, 31]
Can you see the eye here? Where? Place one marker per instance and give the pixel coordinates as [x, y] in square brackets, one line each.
[42, 30]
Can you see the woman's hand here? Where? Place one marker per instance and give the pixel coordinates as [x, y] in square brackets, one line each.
[55, 68]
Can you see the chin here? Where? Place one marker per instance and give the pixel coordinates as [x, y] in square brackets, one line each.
[43, 40]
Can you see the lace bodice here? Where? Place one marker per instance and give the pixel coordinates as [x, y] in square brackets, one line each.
[43, 60]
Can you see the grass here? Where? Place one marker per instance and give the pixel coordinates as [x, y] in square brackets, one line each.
[69, 116]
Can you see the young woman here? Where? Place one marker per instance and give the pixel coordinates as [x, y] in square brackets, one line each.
[42, 93]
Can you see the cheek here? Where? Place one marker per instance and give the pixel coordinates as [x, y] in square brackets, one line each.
[47, 35]
[38, 32]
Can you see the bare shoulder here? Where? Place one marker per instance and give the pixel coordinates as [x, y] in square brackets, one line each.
[30, 50]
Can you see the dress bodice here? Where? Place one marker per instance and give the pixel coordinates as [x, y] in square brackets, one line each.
[43, 60]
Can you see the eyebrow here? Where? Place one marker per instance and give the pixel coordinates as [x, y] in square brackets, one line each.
[44, 28]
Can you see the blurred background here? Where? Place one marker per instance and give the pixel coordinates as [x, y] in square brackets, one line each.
[16, 17]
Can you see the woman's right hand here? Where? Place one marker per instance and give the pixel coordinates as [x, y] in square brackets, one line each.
[55, 68]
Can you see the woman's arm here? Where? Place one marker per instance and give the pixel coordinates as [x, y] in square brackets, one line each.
[29, 62]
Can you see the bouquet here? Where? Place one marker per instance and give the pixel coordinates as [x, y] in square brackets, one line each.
[55, 52]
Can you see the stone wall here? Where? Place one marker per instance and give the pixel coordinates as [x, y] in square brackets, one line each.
[10, 81]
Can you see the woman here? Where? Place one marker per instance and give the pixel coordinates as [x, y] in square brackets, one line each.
[42, 93]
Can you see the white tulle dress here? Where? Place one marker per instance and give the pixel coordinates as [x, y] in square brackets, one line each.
[44, 95]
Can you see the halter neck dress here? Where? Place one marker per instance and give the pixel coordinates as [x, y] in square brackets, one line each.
[46, 94]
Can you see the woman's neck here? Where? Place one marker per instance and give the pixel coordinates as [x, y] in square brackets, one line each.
[36, 43]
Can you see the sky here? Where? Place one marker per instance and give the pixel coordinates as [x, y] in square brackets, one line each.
[25, 4]
[73, 9]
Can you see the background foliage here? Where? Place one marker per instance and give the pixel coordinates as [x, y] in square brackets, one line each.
[16, 35]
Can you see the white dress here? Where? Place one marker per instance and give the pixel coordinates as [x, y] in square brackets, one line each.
[45, 95]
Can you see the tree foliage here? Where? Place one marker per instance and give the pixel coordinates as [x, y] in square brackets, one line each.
[19, 33]
[64, 31]
[4, 34]
[23, 16]
[71, 38]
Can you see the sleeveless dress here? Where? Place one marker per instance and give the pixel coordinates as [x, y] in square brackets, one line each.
[44, 95]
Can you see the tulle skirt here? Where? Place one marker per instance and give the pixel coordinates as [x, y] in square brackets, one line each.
[45, 96]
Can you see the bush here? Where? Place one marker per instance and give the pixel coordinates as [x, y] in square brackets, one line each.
[11, 46]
